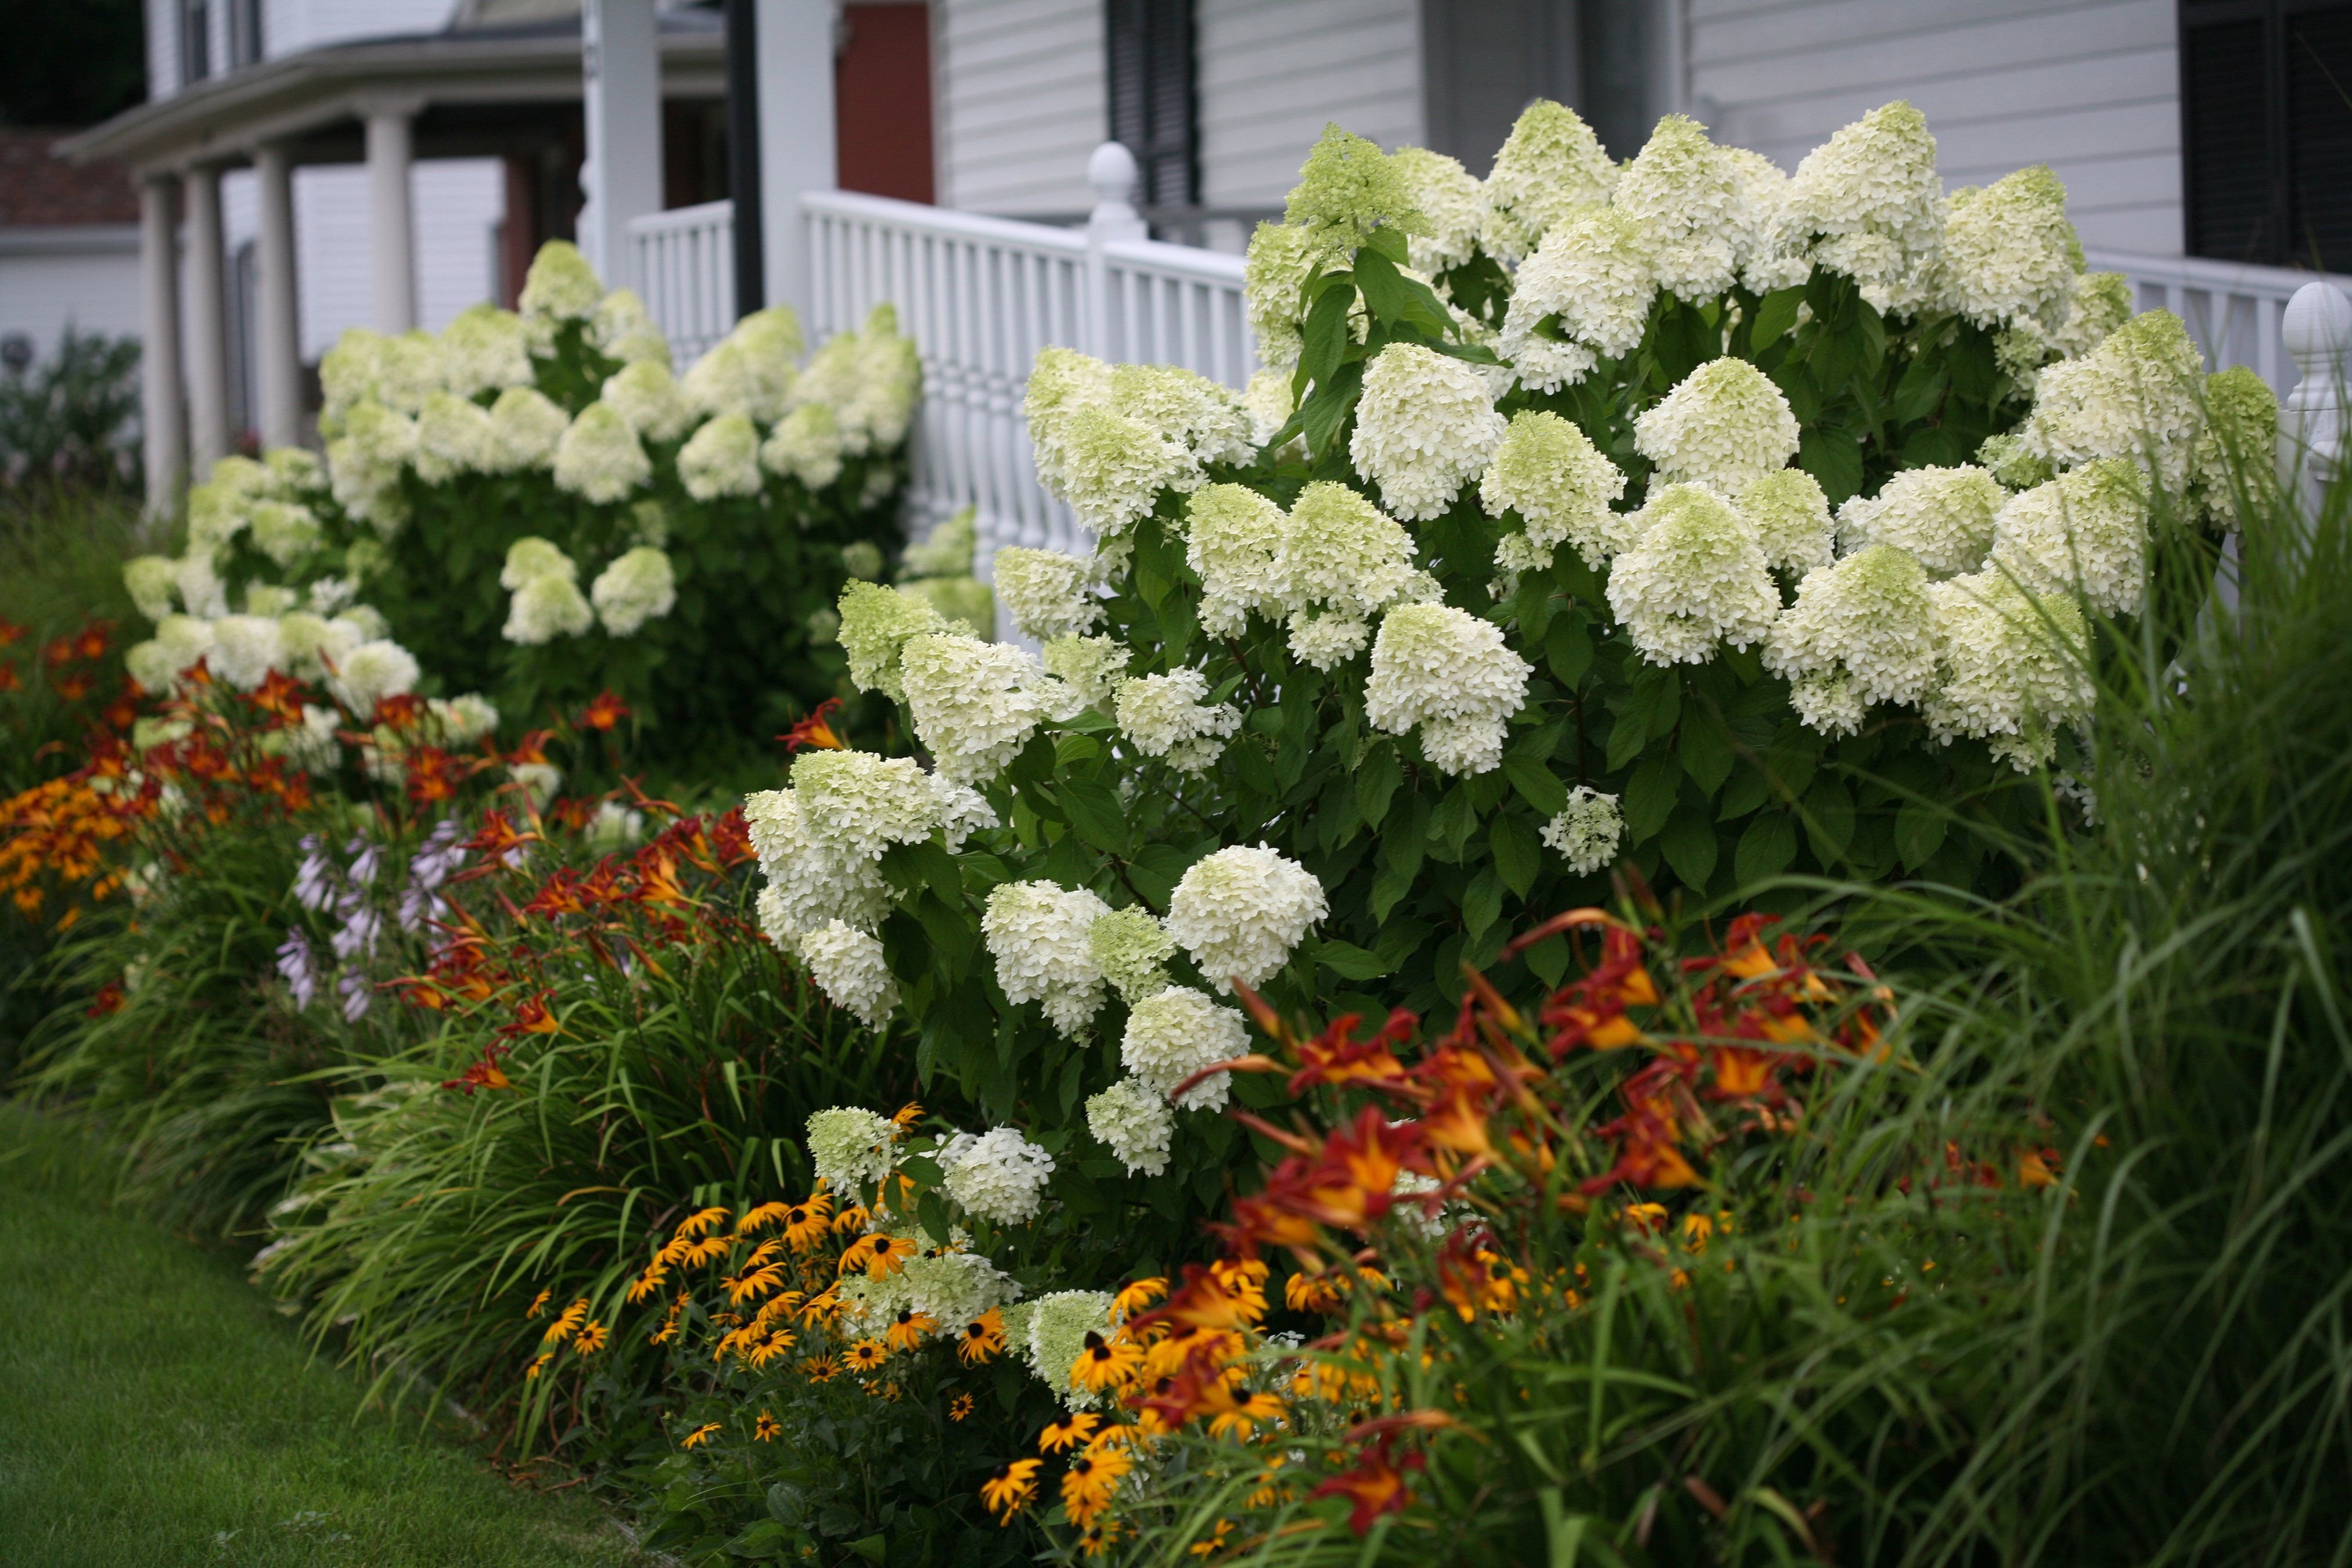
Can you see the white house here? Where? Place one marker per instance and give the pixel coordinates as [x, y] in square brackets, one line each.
[332, 162]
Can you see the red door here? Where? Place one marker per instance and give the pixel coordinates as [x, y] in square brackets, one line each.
[882, 102]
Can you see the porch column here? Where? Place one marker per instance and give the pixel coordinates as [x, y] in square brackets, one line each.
[207, 323]
[392, 221]
[276, 332]
[794, 39]
[620, 65]
[162, 405]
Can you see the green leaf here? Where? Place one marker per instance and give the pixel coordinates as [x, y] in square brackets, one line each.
[933, 1214]
[924, 1169]
[1650, 795]
[1396, 300]
[1919, 829]
[1767, 849]
[1658, 698]
[1329, 407]
[1481, 906]
[1705, 749]
[872, 1548]
[1689, 845]
[1626, 739]
[1155, 872]
[1775, 314]
[1349, 962]
[1094, 811]
[1377, 778]
[1795, 753]
[1833, 457]
[1518, 852]
[1568, 649]
[1829, 820]
[1535, 783]
[1325, 335]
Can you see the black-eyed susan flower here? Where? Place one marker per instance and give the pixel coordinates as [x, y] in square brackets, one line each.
[538, 1363]
[567, 1323]
[1099, 1537]
[982, 1339]
[538, 1304]
[959, 1407]
[1215, 1543]
[767, 1429]
[699, 1436]
[865, 1355]
[807, 1223]
[1136, 1295]
[910, 1329]
[702, 1222]
[1314, 1292]
[1067, 1433]
[593, 1337]
[1010, 1487]
[1105, 1363]
[820, 1369]
[1088, 1483]
[760, 1216]
[646, 1284]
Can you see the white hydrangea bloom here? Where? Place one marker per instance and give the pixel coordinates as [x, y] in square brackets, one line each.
[848, 966]
[1695, 576]
[721, 460]
[1186, 408]
[1240, 911]
[1112, 468]
[366, 461]
[1176, 1032]
[1592, 278]
[1425, 427]
[1038, 935]
[1681, 190]
[1792, 519]
[2136, 395]
[2098, 304]
[809, 879]
[1000, 1175]
[1587, 830]
[312, 644]
[1275, 273]
[484, 349]
[861, 805]
[1725, 426]
[151, 665]
[200, 590]
[532, 557]
[465, 718]
[1551, 162]
[962, 811]
[269, 599]
[975, 704]
[152, 581]
[1550, 473]
[1342, 555]
[2085, 532]
[956, 1288]
[1092, 666]
[1451, 198]
[2009, 668]
[646, 395]
[876, 623]
[372, 672]
[1448, 672]
[851, 1148]
[639, 585]
[599, 458]
[1267, 400]
[2009, 252]
[285, 531]
[1871, 197]
[806, 446]
[1046, 592]
[723, 380]
[526, 428]
[544, 608]
[1861, 632]
[371, 622]
[889, 380]
[1167, 716]
[245, 649]
[1942, 516]
[1057, 1327]
[1770, 255]
[1135, 1123]
[561, 284]
[2241, 417]
[1131, 949]
[1061, 382]
[623, 329]
[453, 437]
[1233, 542]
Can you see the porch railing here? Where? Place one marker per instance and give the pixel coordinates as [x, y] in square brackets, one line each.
[2234, 310]
[682, 263]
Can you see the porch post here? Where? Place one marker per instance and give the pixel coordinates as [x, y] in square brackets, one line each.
[161, 405]
[796, 140]
[208, 434]
[743, 154]
[277, 340]
[391, 226]
[620, 64]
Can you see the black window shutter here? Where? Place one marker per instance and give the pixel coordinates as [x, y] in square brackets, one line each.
[2266, 120]
[2319, 138]
[1151, 100]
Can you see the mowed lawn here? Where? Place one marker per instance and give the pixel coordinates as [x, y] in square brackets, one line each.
[154, 1411]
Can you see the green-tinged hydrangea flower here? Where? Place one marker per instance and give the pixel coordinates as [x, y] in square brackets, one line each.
[1771, 253]
[722, 382]
[889, 381]
[532, 557]
[1346, 189]
[638, 587]
[1038, 933]
[561, 284]
[955, 1288]
[2241, 434]
[298, 469]
[1681, 188]
[1586, 831]
[1280, 261]
[1061, 382]
[526, 427]
[1859, 632]
[1425, 427]
[851, 1148]
[2009, 668]
[2098, 303]
[453, 437]
[964, 603]
[1134, 1123]
[484, 349]
[1131, 949]
[1450, 197]
[202, 592]
[366, 461]
[1234, 543]
[806, 446]
[285, 531]
[876, 623]
[811, 878]
[647, 396]
[1046, 592]
[1173, 1033]
[1186, 408]
[974, 704]
[1240, 911]
[1549, 472]
[2008, 459]
[1167, 716]
[372, 672]
[860, 805]
[545, 608]
[722, 459]
[623, 329]
[1551, 162]
[1792, 519]
[1871, 198]
[1057, 1327]
[1695, 577]
[2137, 395]
[269, 599]
[1093, 667]
[464, 719]
[1342, 555]
[152, 581]
[245, 649]
[1449, 673]
[2009, 252]
[1268, 400]
[1724, 426]
[950, 549]
[2085, 532]
[312, 644]
[599, 458]
[1583, 296]
[1942, 516]
[1114, 467]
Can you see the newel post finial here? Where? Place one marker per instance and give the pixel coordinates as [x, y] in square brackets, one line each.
[1111, 173]
[2316, 330]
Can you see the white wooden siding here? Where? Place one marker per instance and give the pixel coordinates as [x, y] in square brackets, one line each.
[162, 48]
[1021, 103]
[86, 278]
[289, 25]
[1271, 73]
[2089, 87]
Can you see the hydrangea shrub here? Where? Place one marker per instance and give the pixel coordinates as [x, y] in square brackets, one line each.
[537, 504]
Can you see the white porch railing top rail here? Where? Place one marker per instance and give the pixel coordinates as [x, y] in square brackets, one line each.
[2233, 310]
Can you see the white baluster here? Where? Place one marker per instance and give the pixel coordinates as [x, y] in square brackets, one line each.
[2316, 329]
[1111, 173]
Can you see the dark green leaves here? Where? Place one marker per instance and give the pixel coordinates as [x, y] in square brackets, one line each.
[1775, 314]
[1396, 301]
[1094, 811]
[1349, 962]
[1833, 457]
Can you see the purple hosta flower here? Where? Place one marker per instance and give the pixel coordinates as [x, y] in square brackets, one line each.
[300, 969]
[366, 857]
[314, 882]
[357, 994]
[358, 934]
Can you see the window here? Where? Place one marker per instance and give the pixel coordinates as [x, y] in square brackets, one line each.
[195, 41]
[1152, 106]
[2267, 111]
[244, 42]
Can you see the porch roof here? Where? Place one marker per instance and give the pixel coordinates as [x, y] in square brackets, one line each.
[467, 84]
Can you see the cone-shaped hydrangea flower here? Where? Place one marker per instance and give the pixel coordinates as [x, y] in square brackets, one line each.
[623, 329]
[1240, 911]
[999, 1176]
[152, 580]
[1039, 933]
[1942, 516]
[1592, 281]
[1167, 716]
[1135, 1123]
[1274, 280]
[453, 437]
[812, 878]
[1448, 672]
[245, 649]
[1451, 198]
[1771, 253]
[1424, 428]
[2085, 532]
[366, 461]
[1792, 519]
[1695, 577]
[2136, 395]
[1113, 467]
[1233, 542]
[2098, 303]
[1046, 592]
[1094, 668]
[526, 427]
[2010, 667]
[1866, 619]
[876, 623]
[1186, 408]
[2009, 252]
[1871, 197]
[1132, 951]
[372, 672]
[975, 704]
[1174, 1034]
[1061, 382]
[1346, 189]
[1724, 426]
[862, 804]
[1057, 1327]
[647, 396]
[1587, 830]
[1550, 473]
[599, 458]
[1344, 557]
[806, 446]
[561, 284]
[483, 350]
[1681, 190]
[848, 966]
[2241, 431]
[638, 587]
[544, 608]
[1551, 162]
[851, 1148]
[722, 459]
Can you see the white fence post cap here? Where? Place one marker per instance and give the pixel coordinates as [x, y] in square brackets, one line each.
[2316, 327]
[1110, 171]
